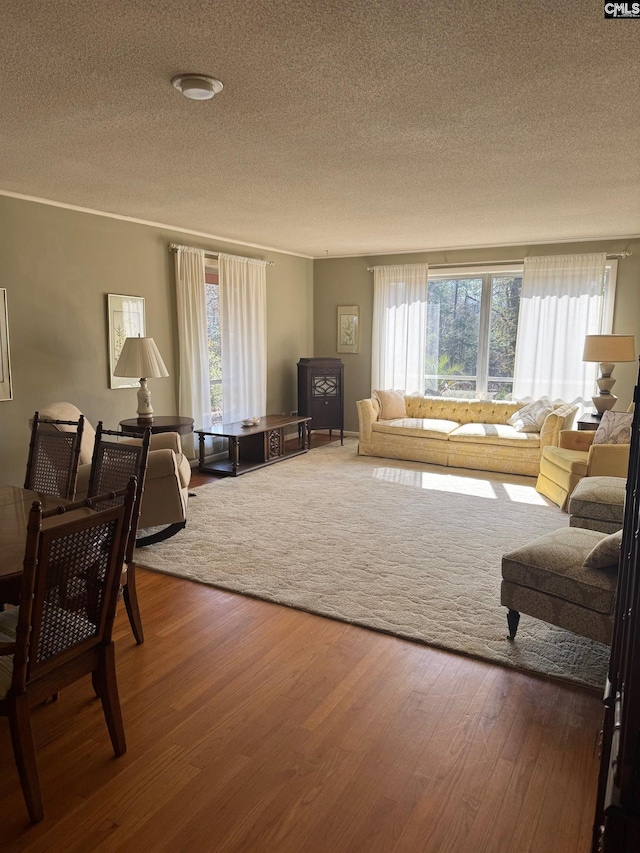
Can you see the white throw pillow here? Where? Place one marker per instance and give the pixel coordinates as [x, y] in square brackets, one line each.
[614, 428]
[531, 417]
[392, 404]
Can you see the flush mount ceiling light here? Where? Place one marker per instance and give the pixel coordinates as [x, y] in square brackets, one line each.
[198, 87]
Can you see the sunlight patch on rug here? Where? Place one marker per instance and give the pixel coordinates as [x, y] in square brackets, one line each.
[407, 548]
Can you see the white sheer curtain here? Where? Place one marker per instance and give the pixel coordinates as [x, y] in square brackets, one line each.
[399, 327]
[561, 302]
[194, 393]
[243, 327]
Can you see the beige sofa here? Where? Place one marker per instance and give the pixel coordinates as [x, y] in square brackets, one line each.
[460, 433]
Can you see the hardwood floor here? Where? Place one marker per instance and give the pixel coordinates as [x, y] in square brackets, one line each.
[254, 727]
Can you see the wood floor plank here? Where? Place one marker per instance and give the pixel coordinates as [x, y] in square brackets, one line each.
[254, 727]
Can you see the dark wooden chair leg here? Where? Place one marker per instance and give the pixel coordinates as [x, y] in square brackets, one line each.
[105, 676]
[25, 755]
[130, 596]
[513, 618]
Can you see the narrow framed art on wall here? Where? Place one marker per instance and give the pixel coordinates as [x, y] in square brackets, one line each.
[348, 328]
[6, 389]
[126, 320]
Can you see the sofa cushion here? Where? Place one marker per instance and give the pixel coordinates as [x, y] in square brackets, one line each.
[464, 411]
[494, 434]
[606, 553]
[554, 564]
[531, 417]
[392, 404]
[570, 461]
[614, 428]
[417, 427]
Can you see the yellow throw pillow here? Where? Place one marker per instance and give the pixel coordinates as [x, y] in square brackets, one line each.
[392, 404]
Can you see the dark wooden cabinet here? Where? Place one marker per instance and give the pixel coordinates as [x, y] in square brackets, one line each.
[321, 393]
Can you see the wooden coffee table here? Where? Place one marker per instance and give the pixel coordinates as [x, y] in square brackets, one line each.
[255, 446]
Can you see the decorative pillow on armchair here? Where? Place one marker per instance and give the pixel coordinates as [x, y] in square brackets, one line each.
[531, 417]
[615, 428]
[392, 404]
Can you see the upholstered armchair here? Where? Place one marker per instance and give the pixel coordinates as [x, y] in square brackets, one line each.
[164, 502]
[575, 457]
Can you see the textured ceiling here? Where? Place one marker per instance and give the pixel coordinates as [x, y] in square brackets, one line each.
[344, 126]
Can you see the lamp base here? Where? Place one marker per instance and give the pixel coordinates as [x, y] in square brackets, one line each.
[145, 409]
[604, 403]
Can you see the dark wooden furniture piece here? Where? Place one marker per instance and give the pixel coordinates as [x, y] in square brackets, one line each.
[588, 421]
[162, 423]
[321, 393]
[617, 818]
[62, 629]
[52, 466]
[114, 463]
[253, 446]
[15, 504]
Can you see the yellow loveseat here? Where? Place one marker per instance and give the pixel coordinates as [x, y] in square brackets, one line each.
[460, 433]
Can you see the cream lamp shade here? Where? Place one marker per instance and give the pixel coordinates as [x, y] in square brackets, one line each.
[140, 357]
[607, 350]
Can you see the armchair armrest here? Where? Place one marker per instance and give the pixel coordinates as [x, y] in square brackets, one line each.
[555, 423]
[7, 649]
[166, 441]
[160, 441]
[575, 439]
[608, 460]
[162, 463]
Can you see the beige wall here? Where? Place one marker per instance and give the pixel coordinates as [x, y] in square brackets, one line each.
[58, 265]
[345, 281]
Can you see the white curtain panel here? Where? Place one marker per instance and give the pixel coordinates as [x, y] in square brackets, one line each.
[194, 393]
[399, 328]
[561, 302]
[243, 328]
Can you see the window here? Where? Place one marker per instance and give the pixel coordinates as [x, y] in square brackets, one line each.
[212, 296]
[472, 326]
[472, 321]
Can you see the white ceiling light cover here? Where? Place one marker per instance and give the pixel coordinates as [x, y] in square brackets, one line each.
[198, 87]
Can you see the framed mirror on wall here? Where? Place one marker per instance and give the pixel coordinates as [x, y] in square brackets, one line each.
[348, 328]
[6, 390]
[126, 320]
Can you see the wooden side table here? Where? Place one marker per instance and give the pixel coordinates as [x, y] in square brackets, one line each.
[588, 421]
[162, 423]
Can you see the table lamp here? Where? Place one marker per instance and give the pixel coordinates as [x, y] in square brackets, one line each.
[140, 357]
[607, 350]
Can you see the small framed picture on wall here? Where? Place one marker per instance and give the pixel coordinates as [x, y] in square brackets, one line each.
[348, 328]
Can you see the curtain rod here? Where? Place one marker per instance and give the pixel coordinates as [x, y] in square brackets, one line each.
[174, 249]
[612, 257]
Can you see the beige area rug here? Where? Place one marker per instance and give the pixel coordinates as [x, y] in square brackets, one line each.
[402, 547]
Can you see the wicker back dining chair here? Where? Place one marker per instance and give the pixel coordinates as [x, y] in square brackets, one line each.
[52, 466]
[62, 629]
[113, 464]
